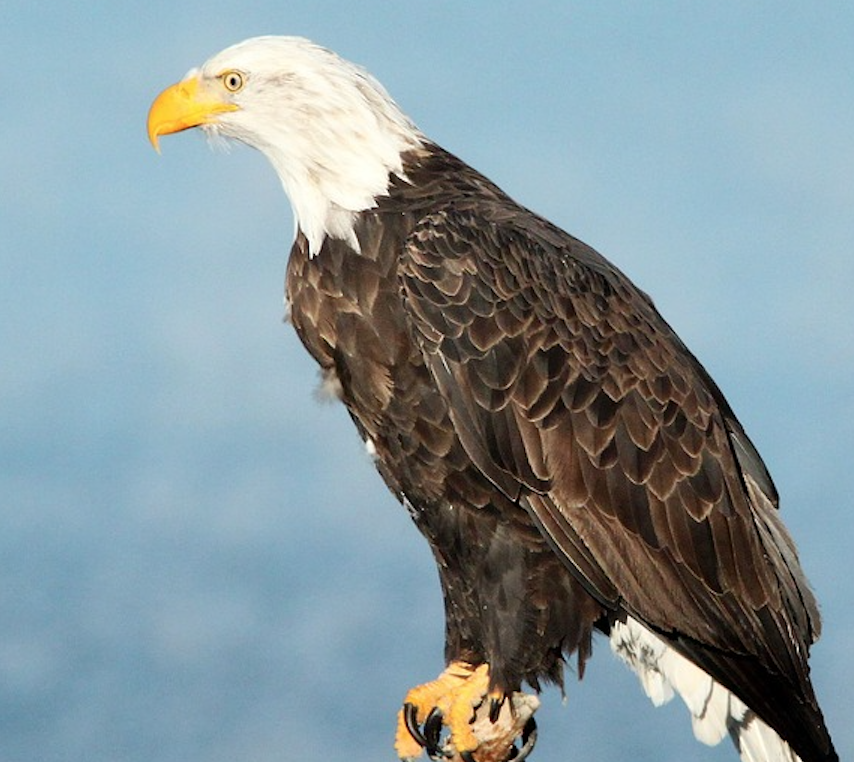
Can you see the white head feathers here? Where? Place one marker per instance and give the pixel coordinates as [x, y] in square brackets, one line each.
[331, 131]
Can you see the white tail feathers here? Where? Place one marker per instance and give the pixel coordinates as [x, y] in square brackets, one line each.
[715, 711]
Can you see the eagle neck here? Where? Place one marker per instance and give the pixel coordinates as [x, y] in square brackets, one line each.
[330, 183]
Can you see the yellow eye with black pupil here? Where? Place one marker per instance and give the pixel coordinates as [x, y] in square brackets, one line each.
[233, 81]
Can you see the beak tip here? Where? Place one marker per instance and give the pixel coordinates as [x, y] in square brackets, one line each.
[153, 131]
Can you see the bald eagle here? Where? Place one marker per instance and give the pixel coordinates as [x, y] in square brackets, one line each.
[572, 465]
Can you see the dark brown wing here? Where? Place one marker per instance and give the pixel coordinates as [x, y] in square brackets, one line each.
[574, 397]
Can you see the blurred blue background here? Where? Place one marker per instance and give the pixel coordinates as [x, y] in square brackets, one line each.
[197, 561]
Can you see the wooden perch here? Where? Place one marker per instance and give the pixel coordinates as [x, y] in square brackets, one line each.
[496, 739]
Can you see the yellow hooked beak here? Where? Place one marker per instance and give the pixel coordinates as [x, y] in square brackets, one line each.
[182, 106]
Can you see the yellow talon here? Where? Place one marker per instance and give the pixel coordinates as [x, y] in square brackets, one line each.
[461, 705]
[456, 694]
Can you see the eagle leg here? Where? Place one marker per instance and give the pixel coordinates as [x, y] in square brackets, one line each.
[482, 724]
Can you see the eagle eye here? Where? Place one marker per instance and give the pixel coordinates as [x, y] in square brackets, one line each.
[233, 81]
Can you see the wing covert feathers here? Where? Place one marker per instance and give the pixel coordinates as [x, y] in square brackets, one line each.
[577, 400]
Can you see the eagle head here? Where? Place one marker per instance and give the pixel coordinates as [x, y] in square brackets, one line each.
[330, 130]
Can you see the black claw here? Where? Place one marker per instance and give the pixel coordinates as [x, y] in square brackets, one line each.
[529, 741]
[410, 717]
[430, 735]
[433, 735]
[467, 756]
[495, 705]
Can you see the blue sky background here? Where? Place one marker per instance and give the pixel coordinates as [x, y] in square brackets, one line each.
[197, 562]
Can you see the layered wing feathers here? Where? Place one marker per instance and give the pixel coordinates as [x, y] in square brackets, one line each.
[576, 399]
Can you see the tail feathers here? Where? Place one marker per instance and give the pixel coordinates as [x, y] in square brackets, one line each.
[756, 742]
[715, 711]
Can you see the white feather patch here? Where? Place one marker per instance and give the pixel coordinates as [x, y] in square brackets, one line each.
[330, 130]
[371, 448]
[329, 389]
[715, 711]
